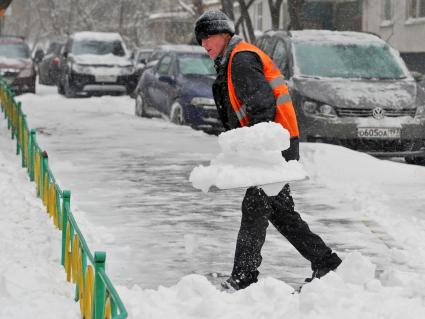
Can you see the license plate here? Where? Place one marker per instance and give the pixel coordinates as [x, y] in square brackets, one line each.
[106, 78]
[373, 132]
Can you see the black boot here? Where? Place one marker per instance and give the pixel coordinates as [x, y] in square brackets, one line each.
[328, 263]
[240, 281]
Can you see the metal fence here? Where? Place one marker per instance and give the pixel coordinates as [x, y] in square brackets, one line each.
[93, 289]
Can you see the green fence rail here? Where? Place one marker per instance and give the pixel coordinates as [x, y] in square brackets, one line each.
[93, 289]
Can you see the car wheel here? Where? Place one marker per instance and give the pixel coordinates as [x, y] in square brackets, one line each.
[177, 114]
[419, 160]
[60, 89]
[69, 88]
[140, 106]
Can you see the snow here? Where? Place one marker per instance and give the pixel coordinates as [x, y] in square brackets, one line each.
[108, 59]
[340, 37]
[5, 60]
[382, 274]
[250, 156]
[99, 36]
[32, 283]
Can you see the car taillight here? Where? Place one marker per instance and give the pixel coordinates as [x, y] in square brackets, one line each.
[55, 61]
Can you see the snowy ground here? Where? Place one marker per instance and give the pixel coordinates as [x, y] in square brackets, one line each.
[130, 192]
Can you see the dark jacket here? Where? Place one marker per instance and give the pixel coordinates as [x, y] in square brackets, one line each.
[251, 88]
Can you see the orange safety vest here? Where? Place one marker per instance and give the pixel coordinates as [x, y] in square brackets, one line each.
[285, 113]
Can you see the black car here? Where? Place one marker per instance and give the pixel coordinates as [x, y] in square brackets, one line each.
[95, 63]
[16, 66]
[141, 57]
[179, 88]
[48, 66]
[351, 89]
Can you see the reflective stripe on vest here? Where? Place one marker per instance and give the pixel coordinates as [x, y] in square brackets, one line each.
[285, 114]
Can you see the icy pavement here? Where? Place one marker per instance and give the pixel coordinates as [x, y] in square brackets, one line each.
[129, 176]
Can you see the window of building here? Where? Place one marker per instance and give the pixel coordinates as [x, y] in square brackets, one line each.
[415, 9]
[260, 15]
[387, 10]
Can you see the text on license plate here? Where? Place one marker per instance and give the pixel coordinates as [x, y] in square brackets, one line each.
[106, 78]
[373, 132]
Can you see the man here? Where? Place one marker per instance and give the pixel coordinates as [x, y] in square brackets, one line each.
[250, 89]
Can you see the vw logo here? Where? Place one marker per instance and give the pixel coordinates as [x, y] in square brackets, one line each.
[378, 113]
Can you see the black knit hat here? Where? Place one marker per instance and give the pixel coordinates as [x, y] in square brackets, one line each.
[213, 22]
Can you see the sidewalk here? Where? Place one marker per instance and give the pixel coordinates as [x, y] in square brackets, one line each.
[32, 280]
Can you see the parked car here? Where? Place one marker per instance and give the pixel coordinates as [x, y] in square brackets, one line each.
[179, 88]
[140, 59]
[16, 66]
[48, 64]
[95, 63]
[351, 89]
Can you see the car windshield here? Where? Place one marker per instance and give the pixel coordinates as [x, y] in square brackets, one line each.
[54, 48]
[196, 64]
[346, 61]
[14, 51]
[98, 47]
[143, 56]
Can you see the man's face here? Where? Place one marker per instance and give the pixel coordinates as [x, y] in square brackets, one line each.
[215, 44]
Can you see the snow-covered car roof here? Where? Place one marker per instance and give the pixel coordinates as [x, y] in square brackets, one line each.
[343, 37]
[335, 36]
[181, 48]
[100, 36]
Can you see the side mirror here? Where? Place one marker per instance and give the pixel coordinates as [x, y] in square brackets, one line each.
[417, 76]
[38, 55]
[65, 55]
[143, 61]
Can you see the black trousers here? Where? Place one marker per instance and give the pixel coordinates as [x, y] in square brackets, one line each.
[257, 210]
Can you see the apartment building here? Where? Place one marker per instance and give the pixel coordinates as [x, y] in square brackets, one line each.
[402, 24]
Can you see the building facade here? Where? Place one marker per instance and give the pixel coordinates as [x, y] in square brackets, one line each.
[318, 14]
[402, 24]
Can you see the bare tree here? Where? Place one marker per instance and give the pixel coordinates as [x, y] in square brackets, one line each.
[274, 6]
[227, 8]
[296, 14]
[199, 7]
[245, 20]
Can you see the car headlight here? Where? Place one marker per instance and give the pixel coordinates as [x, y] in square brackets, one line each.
[318, 109]
[25, 73]
[202, 101]
[78, 68]
[126, 70]
[420, 111]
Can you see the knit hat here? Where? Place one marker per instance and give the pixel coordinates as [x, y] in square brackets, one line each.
[213, 22]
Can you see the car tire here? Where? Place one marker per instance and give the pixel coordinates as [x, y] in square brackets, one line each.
[177, 114]
[418, 160]
[140, 106]
[69, 89]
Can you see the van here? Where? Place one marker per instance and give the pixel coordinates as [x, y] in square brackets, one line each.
[351, 89]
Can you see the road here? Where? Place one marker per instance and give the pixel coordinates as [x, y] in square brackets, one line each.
[129, 180]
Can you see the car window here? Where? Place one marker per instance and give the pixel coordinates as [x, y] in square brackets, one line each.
[259, 43]
[164, 65]
[198, 64]
[54, 47]
[268, 44]
[14, 50]
[280, 54]
[98, 47]
[346, 61]
[156, 55]
[143, 56]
